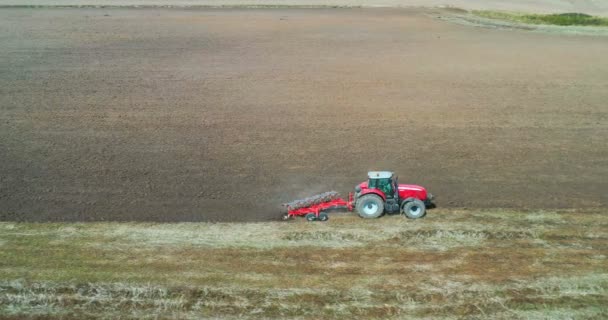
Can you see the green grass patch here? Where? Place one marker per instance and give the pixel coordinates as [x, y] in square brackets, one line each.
[561, 19]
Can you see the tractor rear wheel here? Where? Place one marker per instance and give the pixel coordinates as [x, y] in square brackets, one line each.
[370, 206]
[311, 217]
[414, 209]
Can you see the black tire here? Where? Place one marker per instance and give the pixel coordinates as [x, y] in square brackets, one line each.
[323, 217]
[414, 209]
[370, 206]
[311, 217]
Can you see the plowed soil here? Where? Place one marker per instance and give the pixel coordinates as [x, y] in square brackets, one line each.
[223, 114]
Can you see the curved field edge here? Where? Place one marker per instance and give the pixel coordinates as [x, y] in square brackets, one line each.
[563, 19]
[558, 23]
[536, 6]
[453, 263]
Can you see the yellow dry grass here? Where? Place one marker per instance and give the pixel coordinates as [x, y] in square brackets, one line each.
[452, 264]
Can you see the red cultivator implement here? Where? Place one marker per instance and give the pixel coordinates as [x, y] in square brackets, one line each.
[312, 207]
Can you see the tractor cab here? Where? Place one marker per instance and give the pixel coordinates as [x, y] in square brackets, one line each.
[384, 181]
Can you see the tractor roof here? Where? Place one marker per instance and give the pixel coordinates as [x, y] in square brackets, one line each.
[379, 174]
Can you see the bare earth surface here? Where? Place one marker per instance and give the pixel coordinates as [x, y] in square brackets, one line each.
[223, 114]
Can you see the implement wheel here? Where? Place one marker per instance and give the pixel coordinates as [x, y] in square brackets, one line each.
[323, 217]
[370, 206]
[311, 217]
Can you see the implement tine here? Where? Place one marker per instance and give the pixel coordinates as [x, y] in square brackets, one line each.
[313, 200]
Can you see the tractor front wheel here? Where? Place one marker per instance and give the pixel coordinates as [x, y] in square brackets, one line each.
[414, 209]
[370, 206]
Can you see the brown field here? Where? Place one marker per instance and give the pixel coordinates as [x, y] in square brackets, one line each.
[223, 114]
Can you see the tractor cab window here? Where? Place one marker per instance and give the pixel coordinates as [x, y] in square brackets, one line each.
[385, 185]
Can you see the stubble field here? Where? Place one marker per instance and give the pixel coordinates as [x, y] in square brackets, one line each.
[454, 264]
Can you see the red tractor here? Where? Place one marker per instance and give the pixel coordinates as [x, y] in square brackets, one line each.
[380, 194]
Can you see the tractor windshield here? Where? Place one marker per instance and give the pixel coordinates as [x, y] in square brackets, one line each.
[385, 185]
